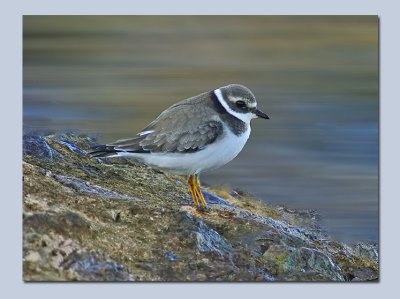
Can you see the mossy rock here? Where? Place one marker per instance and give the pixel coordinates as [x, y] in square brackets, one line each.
[88, 219]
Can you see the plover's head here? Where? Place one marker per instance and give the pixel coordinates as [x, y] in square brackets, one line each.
[239, 101]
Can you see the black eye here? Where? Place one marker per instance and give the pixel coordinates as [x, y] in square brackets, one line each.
[240, 104]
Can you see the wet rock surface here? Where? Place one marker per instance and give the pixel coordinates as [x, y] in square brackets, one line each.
[88, 219]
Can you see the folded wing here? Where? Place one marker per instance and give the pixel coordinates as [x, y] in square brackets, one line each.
[172, 132]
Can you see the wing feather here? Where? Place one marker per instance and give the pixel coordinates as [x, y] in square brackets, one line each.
[174, 130]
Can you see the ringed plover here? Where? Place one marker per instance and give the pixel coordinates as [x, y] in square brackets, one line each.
[198, 134]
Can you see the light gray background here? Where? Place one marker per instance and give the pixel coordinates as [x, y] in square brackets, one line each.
[11, 132]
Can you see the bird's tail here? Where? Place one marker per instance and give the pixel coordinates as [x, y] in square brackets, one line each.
[102, 150]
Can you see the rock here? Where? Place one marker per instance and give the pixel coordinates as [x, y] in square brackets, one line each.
[364, 274]
[208, 240]
[213, 199]
[170, 256]
[32, 257]
[299, 264]
[37, 147]
[88, 219]
[57, 258]
[92, 267]
[197, 277]
[86, 187]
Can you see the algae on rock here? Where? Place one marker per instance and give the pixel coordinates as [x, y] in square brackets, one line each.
[88, 219]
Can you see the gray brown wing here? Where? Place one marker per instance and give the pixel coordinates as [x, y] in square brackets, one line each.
[175, 130]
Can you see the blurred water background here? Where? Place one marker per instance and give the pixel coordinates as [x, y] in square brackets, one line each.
[316, 77]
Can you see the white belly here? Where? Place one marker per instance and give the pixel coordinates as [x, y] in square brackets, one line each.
[213, 156]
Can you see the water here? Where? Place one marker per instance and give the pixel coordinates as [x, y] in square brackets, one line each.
[316, 77]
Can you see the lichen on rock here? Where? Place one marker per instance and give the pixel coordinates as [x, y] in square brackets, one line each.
[88, 219]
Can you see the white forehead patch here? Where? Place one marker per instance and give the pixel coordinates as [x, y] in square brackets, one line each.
[252, 105]
[246, 117]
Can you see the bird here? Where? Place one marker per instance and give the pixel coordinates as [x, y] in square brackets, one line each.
[195, 135]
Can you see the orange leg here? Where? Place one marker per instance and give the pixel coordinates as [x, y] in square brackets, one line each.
[192, 190]
[198, 191]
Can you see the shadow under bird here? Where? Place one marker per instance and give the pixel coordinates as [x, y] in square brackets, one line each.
[198, 134]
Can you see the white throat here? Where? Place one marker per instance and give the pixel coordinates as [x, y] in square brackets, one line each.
[246, 117]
